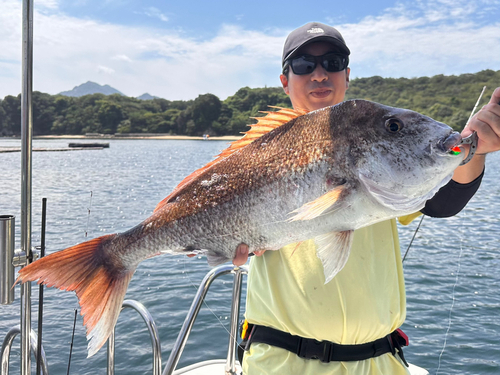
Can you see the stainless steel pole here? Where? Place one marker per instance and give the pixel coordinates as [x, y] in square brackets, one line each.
[26, 144]
[235, 315]
[7, 239]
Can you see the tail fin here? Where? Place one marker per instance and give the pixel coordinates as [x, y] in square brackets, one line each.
[100, 284]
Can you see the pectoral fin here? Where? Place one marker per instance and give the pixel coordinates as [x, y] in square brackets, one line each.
[320, 205]
[215, 259]
[333, 250]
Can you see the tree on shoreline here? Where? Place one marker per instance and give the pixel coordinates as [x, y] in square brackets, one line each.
[445, 98]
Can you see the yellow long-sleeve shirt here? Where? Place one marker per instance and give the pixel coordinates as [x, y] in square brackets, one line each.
[364, 302]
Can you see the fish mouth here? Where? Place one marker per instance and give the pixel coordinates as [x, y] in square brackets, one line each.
[447, 144]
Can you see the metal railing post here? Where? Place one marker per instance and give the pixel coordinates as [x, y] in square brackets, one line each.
[7, 344]
[235, 314]
[110, 369]
[153, 332]
[26, 138]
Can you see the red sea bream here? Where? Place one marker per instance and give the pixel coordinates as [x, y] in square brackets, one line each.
[293, 177]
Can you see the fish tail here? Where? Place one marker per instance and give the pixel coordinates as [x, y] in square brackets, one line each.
[100, 283]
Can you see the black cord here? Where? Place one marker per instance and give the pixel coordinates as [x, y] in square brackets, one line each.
[72, 339]
[40, 291]
[414, 234]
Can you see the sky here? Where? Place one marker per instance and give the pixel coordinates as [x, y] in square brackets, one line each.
[178, 50]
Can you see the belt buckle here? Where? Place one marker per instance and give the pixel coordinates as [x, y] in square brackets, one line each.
[312, 349]
[391, 344]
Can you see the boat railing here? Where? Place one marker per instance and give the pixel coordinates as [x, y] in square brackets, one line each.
[7, 345]
[231, 365]
[187, 326]
[153, 333]
[10, 258]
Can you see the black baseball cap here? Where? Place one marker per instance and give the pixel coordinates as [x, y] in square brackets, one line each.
[312, 32]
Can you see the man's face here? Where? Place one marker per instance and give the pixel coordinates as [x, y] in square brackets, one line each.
[318, 89]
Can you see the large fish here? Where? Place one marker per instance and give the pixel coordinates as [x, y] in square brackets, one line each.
[292, 177]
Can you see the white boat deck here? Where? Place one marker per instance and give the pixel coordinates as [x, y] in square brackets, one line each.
[217, 367]
[210, 367]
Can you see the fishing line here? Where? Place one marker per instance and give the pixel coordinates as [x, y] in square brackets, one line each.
[452, 295]
[459, 258]
[88, 216]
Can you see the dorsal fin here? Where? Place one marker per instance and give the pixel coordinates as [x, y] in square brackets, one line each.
[264, 125]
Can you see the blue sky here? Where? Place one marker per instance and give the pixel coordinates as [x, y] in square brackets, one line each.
[202, 19]
[181, 49]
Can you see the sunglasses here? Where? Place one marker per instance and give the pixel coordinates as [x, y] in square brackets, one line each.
[305, 64]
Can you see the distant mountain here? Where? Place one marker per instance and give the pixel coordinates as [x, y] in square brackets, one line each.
[146, 96]
[91, 88]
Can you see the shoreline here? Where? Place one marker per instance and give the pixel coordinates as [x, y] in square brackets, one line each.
[137, 136]
[134, 136]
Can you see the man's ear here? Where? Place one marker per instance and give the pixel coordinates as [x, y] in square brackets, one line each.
[284, 83]
[347, 72]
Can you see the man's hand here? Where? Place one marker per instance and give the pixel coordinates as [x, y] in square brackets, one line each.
[242, 254]
[487, 125]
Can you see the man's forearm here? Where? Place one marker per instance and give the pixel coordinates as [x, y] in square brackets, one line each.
[470, 171]
[452, 198]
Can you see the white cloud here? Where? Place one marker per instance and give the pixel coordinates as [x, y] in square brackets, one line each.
[432, 38]
[155, 13]
[70, 51]
[51, 4]
[122, 58]
[420, 39]
[105, 70]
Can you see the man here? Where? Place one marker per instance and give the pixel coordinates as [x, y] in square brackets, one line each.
[354, 315]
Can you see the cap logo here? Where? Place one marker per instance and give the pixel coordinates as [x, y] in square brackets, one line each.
[315, 30]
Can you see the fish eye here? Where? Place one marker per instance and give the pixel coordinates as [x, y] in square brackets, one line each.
[393, 125]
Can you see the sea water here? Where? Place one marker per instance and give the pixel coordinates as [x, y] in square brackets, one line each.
[452, 269]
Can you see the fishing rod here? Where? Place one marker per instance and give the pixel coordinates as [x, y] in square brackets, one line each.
[477, 103]
[72, 341]
[40, 292]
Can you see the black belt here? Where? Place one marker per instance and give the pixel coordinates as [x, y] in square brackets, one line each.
[327, 351]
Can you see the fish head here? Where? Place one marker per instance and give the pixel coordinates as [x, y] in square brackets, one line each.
[400, 157]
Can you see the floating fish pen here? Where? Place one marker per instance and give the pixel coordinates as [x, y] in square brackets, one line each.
[88, 145]
[4, 150]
